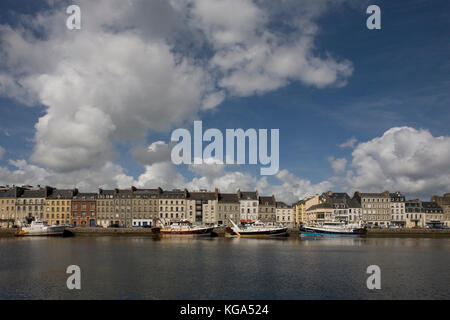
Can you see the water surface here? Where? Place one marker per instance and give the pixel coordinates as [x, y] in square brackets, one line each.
[220, 268]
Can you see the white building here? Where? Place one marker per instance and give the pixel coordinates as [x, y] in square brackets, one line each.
[172, 206]
[398, 212]
[346, 209]
[142, 223]
[285, 215]
[202, 207]
[249, 204]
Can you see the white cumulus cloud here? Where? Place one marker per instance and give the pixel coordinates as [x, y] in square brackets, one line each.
[338, 165]
[158, 151]
[403, 158]
[152, 65]
[290, 188]
[350, 143]
[108, 175]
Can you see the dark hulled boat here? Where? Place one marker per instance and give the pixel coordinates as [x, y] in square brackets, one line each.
[331, 229]
[257, 229]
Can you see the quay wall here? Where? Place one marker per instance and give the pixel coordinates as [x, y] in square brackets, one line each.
[111, 232]
[4, 233]
[408, 232]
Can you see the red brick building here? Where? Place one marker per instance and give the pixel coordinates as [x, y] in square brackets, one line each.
[84, 210]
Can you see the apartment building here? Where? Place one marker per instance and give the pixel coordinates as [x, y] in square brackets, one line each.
[145, 207]
[84, 210]
[228, 208]
[376, 208]
[299, 212]
[320, 213]
[305, 216]
[8, 199]
[106, 209]
[420, 214]
[249, 204]
[398, 212]
[346, 209]
[210, 209]
[201, 207]
[30, 205]
[124, 197]
[444, 203]
[414, 215]
[58, 206]
[172, 205]
[433, 214]
[267, 209]
[285, 214]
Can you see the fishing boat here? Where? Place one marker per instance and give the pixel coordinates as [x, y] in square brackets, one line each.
[40, 228]
[184, 228]
[331, 229]
[257, 229]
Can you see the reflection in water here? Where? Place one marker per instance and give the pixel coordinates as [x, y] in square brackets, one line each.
[224, 268]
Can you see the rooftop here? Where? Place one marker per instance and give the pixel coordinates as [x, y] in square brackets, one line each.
[267, 201]
[201, 196]
[319, 206]
[249, 195]
[85, 196]
[33, 194]
[283, 205]
[172, 194]
[228, 198]
[61, 194]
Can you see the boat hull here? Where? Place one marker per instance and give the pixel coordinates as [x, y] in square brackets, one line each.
[315, 232]
[50, 232]
[195, 232]
[282, 232]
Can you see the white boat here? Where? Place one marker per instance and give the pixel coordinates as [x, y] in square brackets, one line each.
[184, 228]
[40, 228]
[331, 229]
[257, 229]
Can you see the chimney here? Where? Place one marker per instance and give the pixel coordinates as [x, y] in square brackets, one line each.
[239, 193]
[217, 193]
[133, 189]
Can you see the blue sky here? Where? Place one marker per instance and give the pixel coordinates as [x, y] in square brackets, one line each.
[403, 69]
[400, 78]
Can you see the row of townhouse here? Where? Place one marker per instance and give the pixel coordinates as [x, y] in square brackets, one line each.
[382, 209]
[134, 207]
[137, 207]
